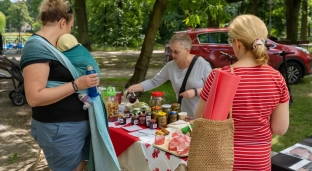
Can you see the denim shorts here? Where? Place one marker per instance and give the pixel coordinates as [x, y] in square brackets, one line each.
[64, 144]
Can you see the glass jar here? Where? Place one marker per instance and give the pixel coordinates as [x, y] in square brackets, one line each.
[187, 118]
[111, 104]
[162, 120]
[144, 108]
[157, 98]
[142, 121]
[148, 117]
[122, 120]
[166, 108]
[155, 111]
[176, 107]
[127, 113]
[173, 116]
[152, 124]
[135, 120]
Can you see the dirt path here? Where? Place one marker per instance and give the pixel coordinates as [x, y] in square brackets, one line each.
[18, 150]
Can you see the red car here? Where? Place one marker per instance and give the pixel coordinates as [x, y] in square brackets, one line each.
[208, 42]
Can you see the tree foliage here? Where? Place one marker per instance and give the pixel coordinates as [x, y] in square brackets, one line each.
[18, 15]
[2, 22]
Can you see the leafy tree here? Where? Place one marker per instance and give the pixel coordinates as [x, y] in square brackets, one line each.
[18, 15]
[82, 22]
[4, 6]
[149, 40]
[33, 6]
[2, 22]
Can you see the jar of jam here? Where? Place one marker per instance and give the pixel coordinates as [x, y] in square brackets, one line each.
[176, 107]
[122, 120]
[152, 124]
[148, 117]
[127, 113]
[134, 120]
[187, 118]
[173, 116]
[157, 98]
[142, 121]
[162, 120]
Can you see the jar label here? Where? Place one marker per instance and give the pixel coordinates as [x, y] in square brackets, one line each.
[120, 120]
[135, 122]
[127, 115]
[154, 126]
[148, 117]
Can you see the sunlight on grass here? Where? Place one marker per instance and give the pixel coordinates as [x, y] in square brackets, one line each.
[300, 116]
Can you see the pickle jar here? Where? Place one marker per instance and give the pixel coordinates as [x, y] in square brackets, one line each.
[157, 98]
[173, 116]
[166, 108]
[176, 107]
[111, 104]
[162, 120]
[155, 111]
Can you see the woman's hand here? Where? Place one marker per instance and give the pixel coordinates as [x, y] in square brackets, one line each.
[188, 93]
[87, 81]
[134, 88]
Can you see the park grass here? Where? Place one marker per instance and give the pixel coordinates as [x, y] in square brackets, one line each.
[300, 125]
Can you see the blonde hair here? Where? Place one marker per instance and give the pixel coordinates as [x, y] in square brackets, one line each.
[66, 42]
[54, 10]
[248, 29]
[182, 39]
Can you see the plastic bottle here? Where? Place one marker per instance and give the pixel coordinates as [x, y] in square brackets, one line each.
[92, 92]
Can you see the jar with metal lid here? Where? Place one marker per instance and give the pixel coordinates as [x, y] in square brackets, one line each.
[176, 107]
[155, 111]
[162, 120]
[166, 108]
[173, 116]
[152, 124]
[157, 98]
[127, 113]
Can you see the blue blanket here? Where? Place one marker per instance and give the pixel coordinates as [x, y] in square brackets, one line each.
[102, 154]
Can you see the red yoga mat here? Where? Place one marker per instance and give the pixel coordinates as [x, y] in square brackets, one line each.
[221, 95]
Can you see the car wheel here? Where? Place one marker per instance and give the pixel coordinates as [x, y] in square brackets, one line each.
[294, 72]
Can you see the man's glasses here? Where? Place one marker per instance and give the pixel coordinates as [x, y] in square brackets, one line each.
[69, 11]
[230, 40]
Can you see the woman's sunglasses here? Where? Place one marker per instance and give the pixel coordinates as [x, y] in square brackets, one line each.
[69, 11]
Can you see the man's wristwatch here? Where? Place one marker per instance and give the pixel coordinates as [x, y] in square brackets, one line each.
[196, 93]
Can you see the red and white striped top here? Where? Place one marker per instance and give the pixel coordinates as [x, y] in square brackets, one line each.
[259, 92]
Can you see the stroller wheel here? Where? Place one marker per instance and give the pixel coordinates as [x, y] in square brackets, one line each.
[18, 99]
[12, 93]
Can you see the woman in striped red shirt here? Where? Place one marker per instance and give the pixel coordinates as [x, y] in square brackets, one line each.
[261, 103]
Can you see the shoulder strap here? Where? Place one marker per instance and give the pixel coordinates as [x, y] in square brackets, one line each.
[232, 71]
[182, 89]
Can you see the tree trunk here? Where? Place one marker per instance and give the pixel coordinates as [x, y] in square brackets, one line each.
[292, 13]
[211, 21]
[82, 22]
[304, 20]
[254, 7]
[148, 43]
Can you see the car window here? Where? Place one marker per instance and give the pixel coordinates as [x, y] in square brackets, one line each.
[217, 37]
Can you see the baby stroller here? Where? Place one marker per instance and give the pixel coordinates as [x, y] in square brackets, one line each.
[17, 95]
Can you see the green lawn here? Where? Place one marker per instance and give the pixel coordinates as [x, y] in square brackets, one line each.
[300, 112]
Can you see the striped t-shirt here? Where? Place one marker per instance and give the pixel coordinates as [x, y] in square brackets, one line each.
[259, 92]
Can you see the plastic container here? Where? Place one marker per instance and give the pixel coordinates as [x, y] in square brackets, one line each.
[157, 98]
[182, 115]
[93, 91]
[173, 116]
[111, 104]
[162, 119]
[152, 124]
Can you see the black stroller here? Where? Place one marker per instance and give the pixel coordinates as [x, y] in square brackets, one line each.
[17, 95]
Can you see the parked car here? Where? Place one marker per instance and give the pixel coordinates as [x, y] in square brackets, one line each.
[208, 42]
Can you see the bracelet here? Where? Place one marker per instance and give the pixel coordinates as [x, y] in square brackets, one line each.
[75, 86]
[196, 93]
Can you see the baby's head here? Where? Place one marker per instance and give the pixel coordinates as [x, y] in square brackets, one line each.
[66, 42]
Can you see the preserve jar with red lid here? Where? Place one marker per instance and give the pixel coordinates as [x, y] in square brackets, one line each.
[157, 98]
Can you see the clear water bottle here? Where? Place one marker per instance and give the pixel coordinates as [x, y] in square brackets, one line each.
[92, 92]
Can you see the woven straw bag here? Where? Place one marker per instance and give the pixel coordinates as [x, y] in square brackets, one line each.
[212, 145]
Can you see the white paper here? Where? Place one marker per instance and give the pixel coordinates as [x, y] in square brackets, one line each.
[301, 164]
[132, 128]
[148, 131]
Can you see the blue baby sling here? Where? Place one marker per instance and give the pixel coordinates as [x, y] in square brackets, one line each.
[102, 154]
